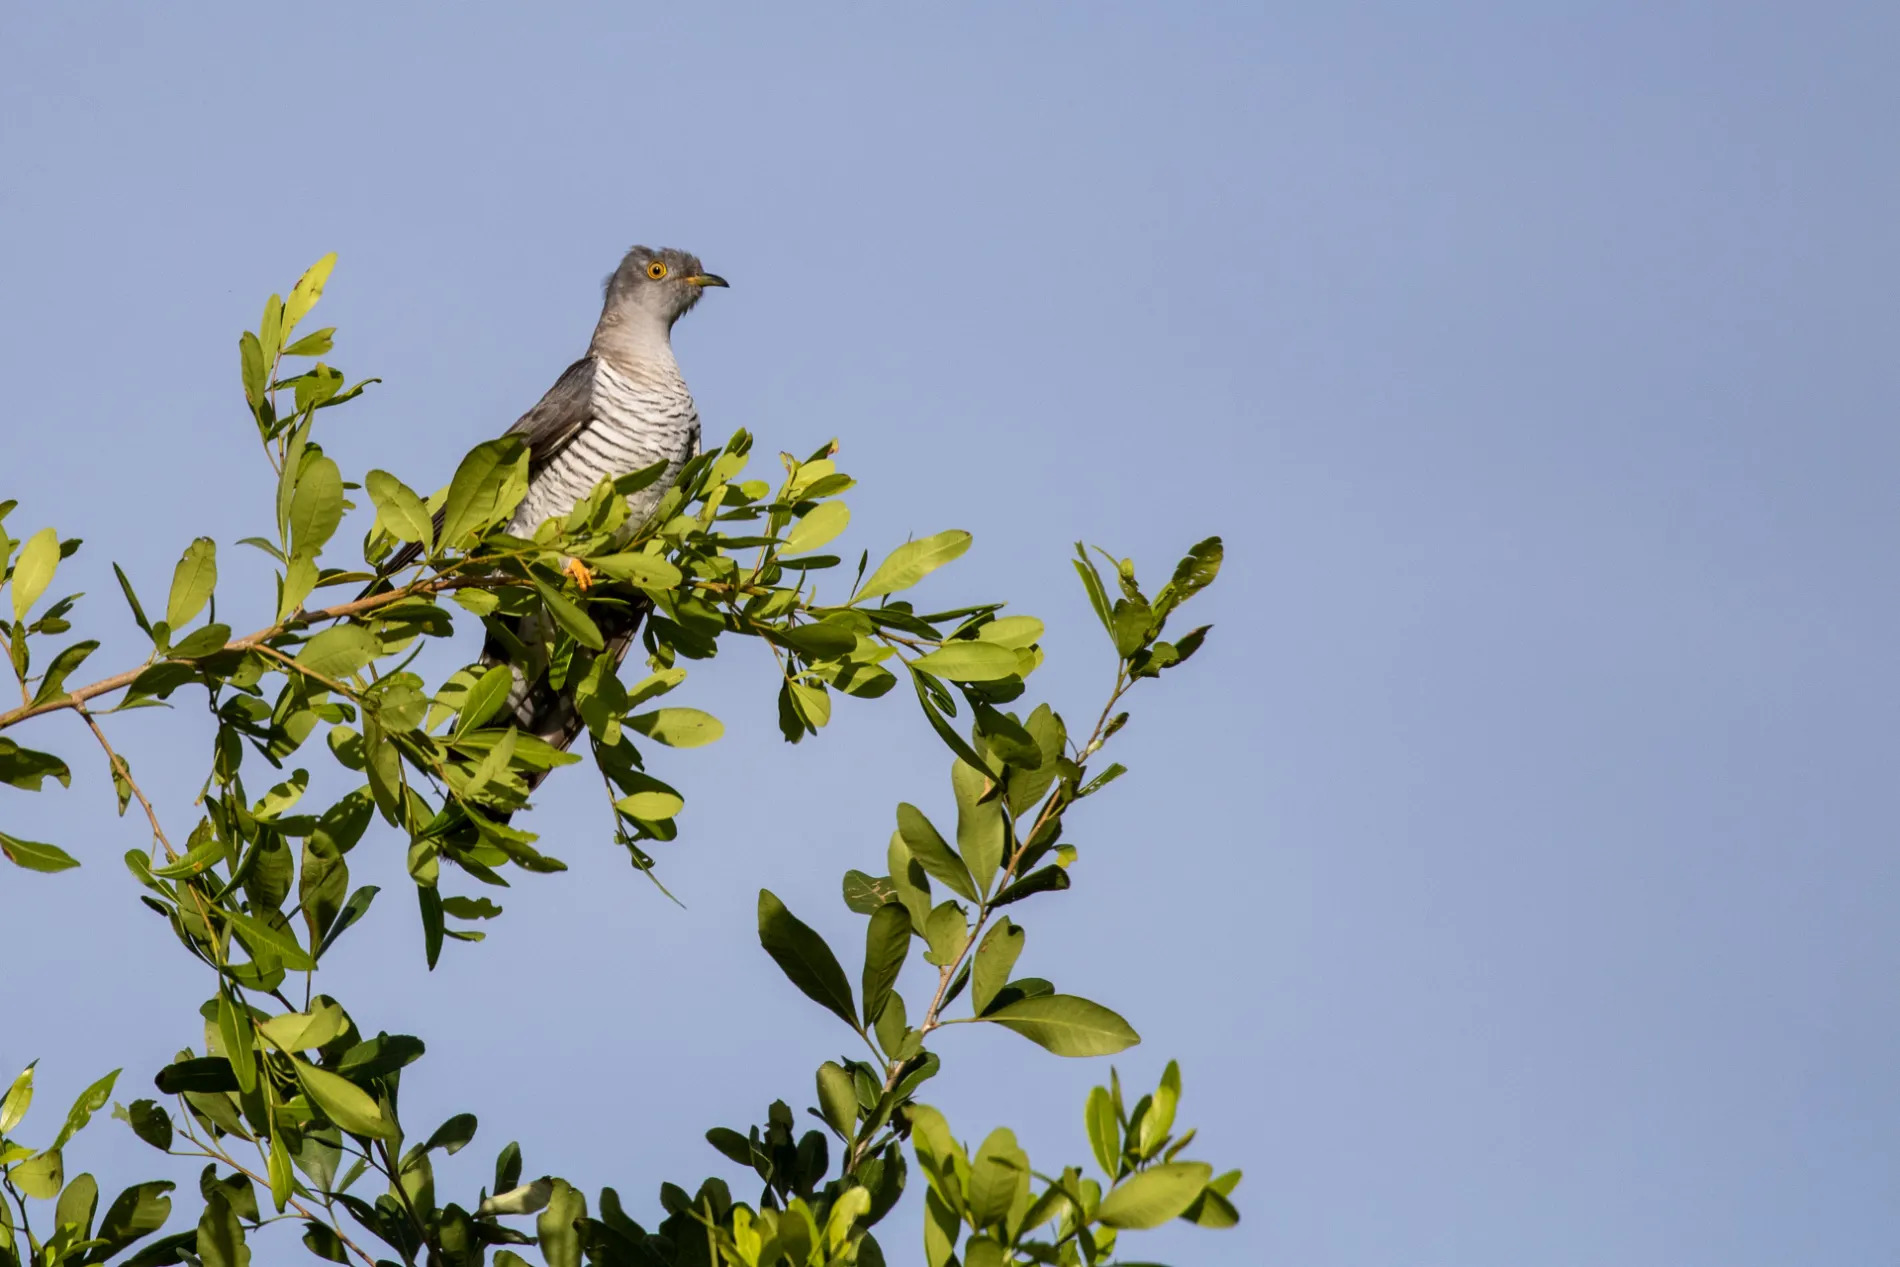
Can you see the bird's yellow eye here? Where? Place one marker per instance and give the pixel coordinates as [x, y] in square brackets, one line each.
[656, 270]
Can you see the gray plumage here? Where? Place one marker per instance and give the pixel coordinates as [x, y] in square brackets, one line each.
[620, 408]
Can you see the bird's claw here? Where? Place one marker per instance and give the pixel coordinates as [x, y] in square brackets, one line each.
[583, 577]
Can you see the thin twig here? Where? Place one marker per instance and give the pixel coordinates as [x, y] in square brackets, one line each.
[123, 771]
[254, 642]
[206, 1150]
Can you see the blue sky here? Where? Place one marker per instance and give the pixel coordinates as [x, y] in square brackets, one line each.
[1512, 874]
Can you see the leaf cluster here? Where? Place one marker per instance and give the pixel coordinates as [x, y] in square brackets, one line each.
[297, 1110]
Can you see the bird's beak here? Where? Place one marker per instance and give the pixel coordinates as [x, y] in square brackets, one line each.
[705, 279]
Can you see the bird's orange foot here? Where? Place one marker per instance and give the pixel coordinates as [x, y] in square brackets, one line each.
[579, 571]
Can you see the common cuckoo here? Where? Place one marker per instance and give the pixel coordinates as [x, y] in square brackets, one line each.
[620, 408]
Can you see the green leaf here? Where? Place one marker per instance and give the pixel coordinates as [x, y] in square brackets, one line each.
[35, 855]
[998, 1172]
[353, 910]
[821, 641]
[192, 583]
[1155, 1195]
[979, 822]
[995, 958]
[947, 931]
[150, 1122]
[931, 853]
[1067, 1025]
[132, 600]
[485, 698]
[53, 682]
[18, 1099]
[804, 957]
[39, 1177]
[912, 562]
[819, 527]
[470, 907]
[486, 487]
[1213, 1208]
[300, 577]
[1092, 582]
[33, 572]
[1132, 624]
[343, 1102]
[951, 739]
[401, 511]
[301, 1031]
[649, 571]
[865, 893]
[1159, 1119]
[886, 943]
[338, 651]
[280, 942]
[270, 330]
[678, 727]
[236, 1034]
[577, 623]
[316, 508]
[309, 289]
[453, 1135]
[837, 1099]
[1012, 631]
[26, 769]
[203, 641]
[555, 1229]
[201, 1074]
[1052, 878]
[316, 343]
[966, 661]
[278, 1167]
[136, 1212]
[1191, 575]
[651, 806]
[1105, 1132]
[251, 370]
[220, 1236]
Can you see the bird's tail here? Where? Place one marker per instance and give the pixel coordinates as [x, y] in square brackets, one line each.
[545, 711]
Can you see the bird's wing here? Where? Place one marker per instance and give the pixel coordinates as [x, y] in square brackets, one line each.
[560, 415]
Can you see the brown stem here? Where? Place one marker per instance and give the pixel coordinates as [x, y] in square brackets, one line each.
[250, 642]
[120, 768]
[304, 1211]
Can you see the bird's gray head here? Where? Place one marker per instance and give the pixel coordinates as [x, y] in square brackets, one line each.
[655, 287]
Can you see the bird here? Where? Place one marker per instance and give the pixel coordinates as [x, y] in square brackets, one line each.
[620, 408]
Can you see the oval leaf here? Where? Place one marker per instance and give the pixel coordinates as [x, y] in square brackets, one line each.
[402, 512]
[912, 562]
[1012, 631]
[964, 661]
[343, 1102]
[804, 957]
[886, 942]
[339, 651]
[650, 807]
[35, 856]
[678, 727]
[1155, 1195]
[33, 571]
[648, 570]
[192, 582]
[930, 851]
[316, 508]
[818, 528]
[487, 484]
[1067, 1025]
